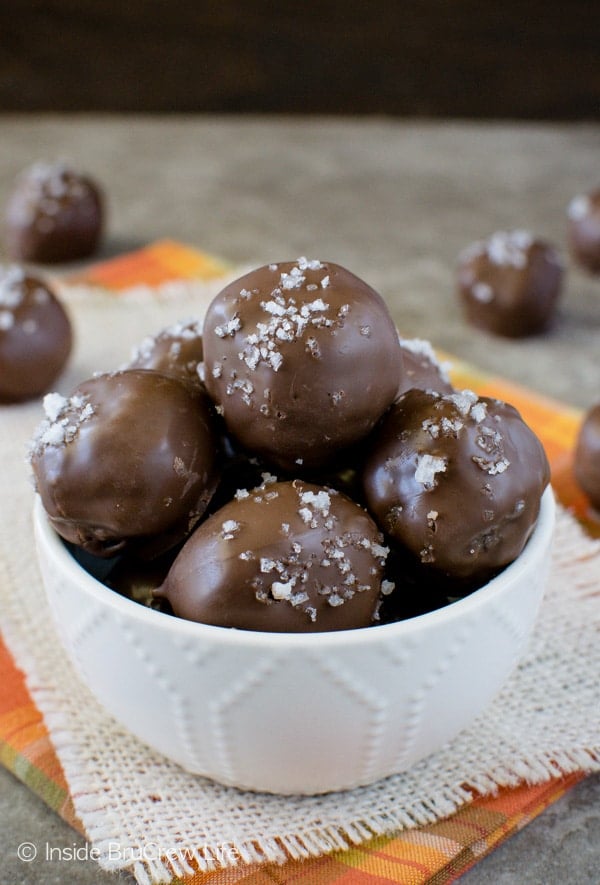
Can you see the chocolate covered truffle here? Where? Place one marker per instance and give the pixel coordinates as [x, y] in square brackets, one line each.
[584, 230]
[456, 479]
[35, 335]
[128, 462]
[510, 284]
[422, 368]
[285, 557]
[175, 350]
[302, 358]
[54, 214]
[587, 456]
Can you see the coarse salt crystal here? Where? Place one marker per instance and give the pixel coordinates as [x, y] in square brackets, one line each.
[428, 466]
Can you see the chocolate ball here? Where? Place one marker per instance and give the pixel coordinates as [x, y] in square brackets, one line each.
[584, 230]
[510, 284]
[587, 456]
[35, 336]
[456, 479]
[128, 462]
[285, 557]
[175, 351]
[421, 368]
[302, 358]
[54, 214]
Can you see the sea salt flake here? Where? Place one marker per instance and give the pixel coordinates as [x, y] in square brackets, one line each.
[428, 466]
[54, 405]
[309, 264]
[230, 529]
[335, 600]
[463, 400]
[320, 501]
[229, 328]
[579, 207]
[478, 412]
[387, 587]
[280, 590]
[7, 320]
[482, 292]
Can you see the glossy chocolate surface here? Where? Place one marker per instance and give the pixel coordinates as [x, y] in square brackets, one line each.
[176, 351]
[584, 230]
[587, 456]
[284, 557]
[421, 368]
[54, 214]
[457, 480]
[302, 359]
[129, 461]
[510, 284]
[35, 335]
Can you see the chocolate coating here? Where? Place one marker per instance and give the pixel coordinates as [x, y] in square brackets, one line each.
[584, 230]
[53, 214]
[302, 358]
[510, 285]
[35, 336]
[456, 479]
[176, 351]
[421, 368]
[129, 461]
[587, 456]
[286, 557]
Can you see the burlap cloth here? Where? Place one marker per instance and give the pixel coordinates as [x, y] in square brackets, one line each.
[144, 813]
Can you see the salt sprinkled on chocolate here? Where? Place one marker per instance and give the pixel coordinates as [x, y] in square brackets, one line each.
[313, 561]
[456, 479]
[422, 368]
[258, 334]
[64, 417]
[509, 247]
[583, 217]
[128, 462]
[510, 284]
[54, 214]
[35, 335]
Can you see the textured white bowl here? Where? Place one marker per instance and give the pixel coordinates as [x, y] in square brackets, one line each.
[301, 713]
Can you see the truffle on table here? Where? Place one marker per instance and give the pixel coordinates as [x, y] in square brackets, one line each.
[35, 335]
[510, 284]
[587, 456]
[54, 214]
[584, 230]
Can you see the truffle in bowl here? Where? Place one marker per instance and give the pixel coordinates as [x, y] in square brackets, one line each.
[295, 713]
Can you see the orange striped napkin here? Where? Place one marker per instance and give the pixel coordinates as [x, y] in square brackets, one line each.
[436, 853]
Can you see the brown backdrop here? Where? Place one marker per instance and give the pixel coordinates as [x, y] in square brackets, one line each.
[537, 60]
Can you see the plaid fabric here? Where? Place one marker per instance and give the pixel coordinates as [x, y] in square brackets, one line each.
[435, 854]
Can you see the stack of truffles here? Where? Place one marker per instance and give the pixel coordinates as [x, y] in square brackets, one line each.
[294, 465]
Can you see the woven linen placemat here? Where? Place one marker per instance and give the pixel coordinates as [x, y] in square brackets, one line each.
[165, 822]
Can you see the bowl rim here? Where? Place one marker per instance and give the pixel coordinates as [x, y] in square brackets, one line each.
[49, 542]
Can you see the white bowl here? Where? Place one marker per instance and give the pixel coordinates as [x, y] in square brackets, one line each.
[298, 713]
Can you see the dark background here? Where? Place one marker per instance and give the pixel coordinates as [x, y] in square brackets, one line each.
[427, 58]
